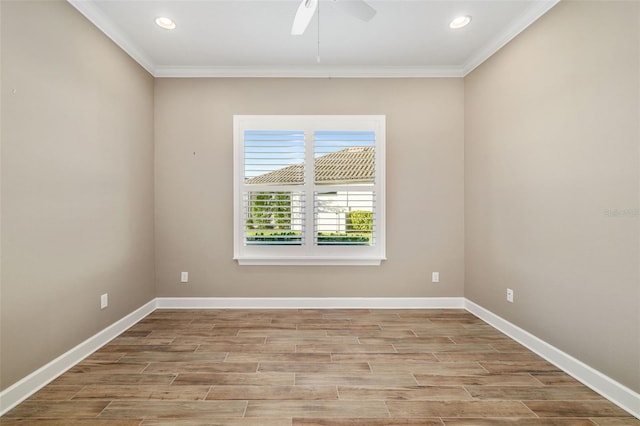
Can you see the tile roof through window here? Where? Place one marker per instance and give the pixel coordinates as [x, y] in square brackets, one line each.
[349, 165]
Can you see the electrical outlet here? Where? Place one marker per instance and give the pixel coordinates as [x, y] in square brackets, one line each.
[184, 277]
[509, 295]
[104, 301]
[435, 277]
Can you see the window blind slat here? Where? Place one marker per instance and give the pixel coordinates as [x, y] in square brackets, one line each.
[309, 196]
[344, 157]
[274, 157]
[274, 217]
[344, 218]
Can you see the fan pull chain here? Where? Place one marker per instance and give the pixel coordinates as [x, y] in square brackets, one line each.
[318, 12]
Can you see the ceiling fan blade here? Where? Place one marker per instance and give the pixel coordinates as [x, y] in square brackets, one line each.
[357, 8]
[303, 16]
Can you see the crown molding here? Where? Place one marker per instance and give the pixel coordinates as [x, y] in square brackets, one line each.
[95, 15]
[309, 72]
[536, 10]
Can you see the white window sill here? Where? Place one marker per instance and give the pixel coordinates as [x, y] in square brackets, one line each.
[308, 261]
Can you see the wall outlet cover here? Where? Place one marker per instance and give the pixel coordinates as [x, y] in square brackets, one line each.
[509, 295]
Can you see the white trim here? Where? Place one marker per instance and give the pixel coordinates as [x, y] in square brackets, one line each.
[616, 392]
[307, 261]
[27, 386]
[536, 10]
[307, 252]
[310, 302]
[95, 15]
[309, 72]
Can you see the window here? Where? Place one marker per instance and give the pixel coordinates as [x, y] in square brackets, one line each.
[309, 190]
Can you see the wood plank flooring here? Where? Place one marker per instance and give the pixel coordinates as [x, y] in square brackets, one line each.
[315, 368]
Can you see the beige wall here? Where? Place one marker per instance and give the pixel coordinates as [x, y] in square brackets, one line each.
[77, 183]
[551, 124]
[552, 138]
[194, 198]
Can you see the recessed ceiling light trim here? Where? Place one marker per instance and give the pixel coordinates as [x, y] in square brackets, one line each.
[165, 23]
[97, 16]
[460, 22]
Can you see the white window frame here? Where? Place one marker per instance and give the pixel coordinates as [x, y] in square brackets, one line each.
[308, 253]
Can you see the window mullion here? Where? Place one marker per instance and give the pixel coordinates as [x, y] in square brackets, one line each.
[309, 184]
[334, 199]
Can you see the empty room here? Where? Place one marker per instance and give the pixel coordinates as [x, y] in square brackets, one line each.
[320, 212]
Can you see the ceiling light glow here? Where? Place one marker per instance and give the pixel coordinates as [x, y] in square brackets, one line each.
[166, 23]
[459, 22]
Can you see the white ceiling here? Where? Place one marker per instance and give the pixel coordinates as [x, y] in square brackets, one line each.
[246, 38]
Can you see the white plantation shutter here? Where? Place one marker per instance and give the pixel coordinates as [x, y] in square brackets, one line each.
[344, 157]
[274, 157]
[344, 170]
[309, 189]
[344, 218]
[273, 216]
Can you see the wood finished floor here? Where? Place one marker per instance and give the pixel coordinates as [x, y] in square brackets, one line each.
[315, 367]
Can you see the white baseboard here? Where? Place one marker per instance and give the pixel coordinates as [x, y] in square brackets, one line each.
[616, 392]
[310, 302]
[32, 383]
[23, 389]
[607, 387]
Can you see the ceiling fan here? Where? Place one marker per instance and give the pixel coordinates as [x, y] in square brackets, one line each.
[356, 8]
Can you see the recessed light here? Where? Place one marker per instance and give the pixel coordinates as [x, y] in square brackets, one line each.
[459, 22]
[166, 23]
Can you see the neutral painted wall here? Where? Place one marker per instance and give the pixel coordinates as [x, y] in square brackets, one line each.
[552, 183]
[77, 183]
[194, 187]
[551, 154]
